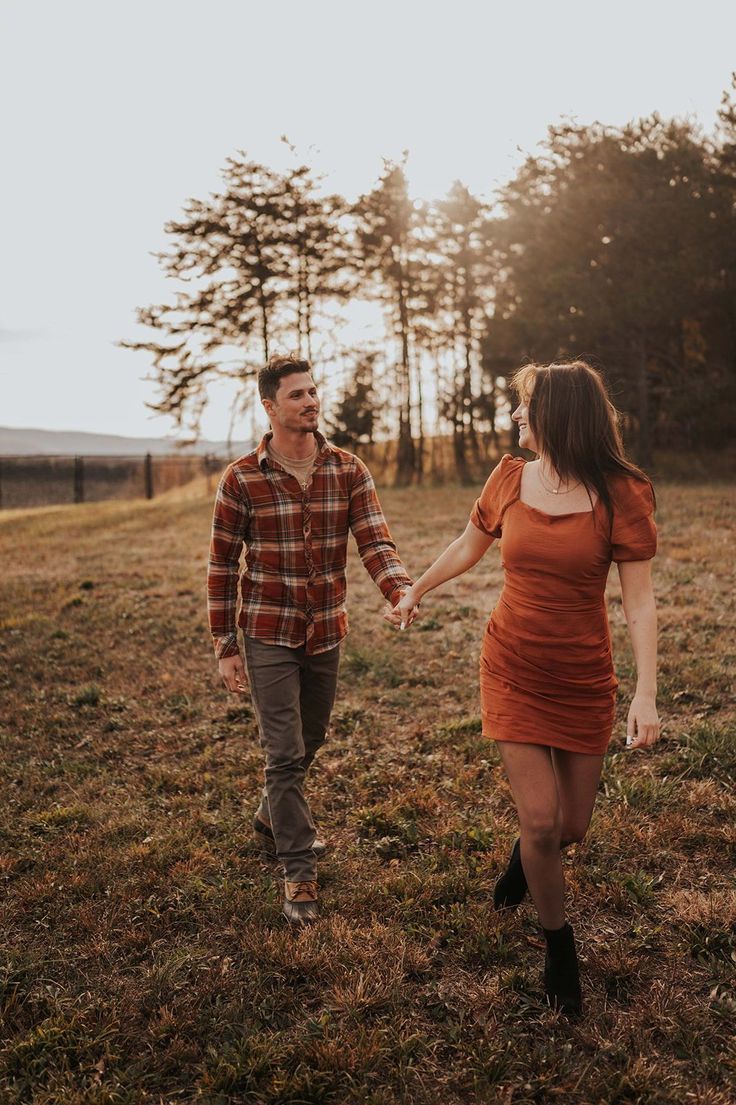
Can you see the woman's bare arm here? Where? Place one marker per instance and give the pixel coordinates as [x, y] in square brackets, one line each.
[641, 617]
[459, 556]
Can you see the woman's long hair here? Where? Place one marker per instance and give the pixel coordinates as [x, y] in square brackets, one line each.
[576, 425]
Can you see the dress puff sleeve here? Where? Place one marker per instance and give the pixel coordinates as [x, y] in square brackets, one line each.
[501, 488]
[633, 533]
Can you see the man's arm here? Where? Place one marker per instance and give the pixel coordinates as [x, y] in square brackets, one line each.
[375, 545]
[229, 531]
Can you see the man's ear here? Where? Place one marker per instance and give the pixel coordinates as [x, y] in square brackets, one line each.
[267, 405]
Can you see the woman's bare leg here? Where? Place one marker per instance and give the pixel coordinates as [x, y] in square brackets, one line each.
[533, 782]
[578, 776]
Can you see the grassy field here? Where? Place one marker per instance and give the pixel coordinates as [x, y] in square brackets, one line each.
[143, 955]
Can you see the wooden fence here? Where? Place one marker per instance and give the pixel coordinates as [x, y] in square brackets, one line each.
[27, 481]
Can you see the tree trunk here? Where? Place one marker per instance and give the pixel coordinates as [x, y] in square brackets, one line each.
[420, 412]
[492, 414]
[644, 439]
[406, 459]
[467, 391]
[308, 321]
[459, 432]
[302, 300]
[436, 462]
[468, 416]
[461, 458]
[262, 301]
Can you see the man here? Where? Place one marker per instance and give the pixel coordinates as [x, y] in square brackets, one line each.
[291, 503]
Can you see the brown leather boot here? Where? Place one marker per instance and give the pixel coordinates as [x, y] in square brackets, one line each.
[300, 902]
[266, 845]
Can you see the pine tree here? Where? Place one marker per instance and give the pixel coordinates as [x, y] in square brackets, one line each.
[458, 239]
[385, 224]
[353, 419]
[254, 260]
[608, 244]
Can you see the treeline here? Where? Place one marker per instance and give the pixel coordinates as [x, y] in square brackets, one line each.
[615, 243]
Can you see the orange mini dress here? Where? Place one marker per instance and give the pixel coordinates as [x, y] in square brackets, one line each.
[546, 669]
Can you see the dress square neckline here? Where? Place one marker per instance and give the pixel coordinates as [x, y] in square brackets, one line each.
[546, 513]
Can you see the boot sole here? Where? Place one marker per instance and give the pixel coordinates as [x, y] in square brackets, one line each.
[299, 922]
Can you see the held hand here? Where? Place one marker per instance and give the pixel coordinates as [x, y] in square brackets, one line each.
[642, 726]
[233, 674]
[403, 614]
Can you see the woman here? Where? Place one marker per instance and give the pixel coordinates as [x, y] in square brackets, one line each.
[546, 673]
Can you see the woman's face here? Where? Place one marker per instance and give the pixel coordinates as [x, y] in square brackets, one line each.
[521, 418]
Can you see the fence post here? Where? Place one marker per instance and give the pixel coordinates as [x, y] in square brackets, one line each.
[148, 473]
[79, 479]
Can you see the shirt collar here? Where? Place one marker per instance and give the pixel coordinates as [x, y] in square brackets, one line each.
[323, 448]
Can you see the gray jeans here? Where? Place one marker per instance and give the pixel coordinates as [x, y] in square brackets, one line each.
[293, 695]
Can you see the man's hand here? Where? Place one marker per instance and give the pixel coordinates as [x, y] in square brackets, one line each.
[233, 674]
[403, 614]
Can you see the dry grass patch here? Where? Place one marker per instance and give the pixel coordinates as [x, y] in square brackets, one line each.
[143, 954]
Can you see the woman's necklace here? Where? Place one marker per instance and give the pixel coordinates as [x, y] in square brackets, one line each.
[555, 490]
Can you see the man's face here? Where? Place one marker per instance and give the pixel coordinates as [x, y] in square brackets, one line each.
[296, 406]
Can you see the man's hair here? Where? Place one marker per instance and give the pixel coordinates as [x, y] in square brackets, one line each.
[270, 377]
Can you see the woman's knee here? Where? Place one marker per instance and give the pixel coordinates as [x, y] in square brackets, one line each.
[542, 828]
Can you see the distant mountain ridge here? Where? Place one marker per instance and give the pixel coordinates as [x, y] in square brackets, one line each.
[63, 443]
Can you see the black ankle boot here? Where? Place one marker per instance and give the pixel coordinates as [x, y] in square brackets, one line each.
[561, 975]
[511, 888]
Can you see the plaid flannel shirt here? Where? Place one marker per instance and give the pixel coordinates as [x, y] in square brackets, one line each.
[293, 580]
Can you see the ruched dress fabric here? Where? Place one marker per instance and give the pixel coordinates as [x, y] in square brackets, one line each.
[546, 668]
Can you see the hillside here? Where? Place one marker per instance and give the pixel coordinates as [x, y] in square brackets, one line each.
[22, 441]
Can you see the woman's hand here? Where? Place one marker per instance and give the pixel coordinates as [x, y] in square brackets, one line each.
[460, 555]
[642, 726]
[403, 614]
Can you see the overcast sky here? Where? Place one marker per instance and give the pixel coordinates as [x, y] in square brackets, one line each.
[115, 113]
